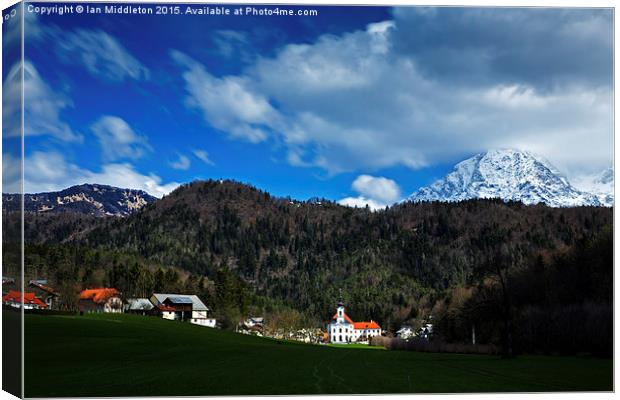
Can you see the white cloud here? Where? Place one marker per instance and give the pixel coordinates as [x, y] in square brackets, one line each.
[203, 156]
[11, 173]
[118, 140]
[226, 103]
[374, 192]
[362, 101]
[361, 202]
[51, 172]
[182, 163]
[378, 188]
[43, 106]
[100, 53]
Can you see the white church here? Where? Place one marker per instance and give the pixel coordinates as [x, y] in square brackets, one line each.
[342, 329]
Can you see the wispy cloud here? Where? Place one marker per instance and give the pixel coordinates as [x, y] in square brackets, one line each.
[43, 106]
[118, 140]
[100, 53]
[181, 163]
[231, 43]
[11, 173]
[228, 104]
[203, 156]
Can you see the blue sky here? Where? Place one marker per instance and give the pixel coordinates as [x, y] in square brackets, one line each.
[358, 104]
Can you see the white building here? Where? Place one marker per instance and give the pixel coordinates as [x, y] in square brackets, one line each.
[342, 329]
[363, 331]
[254, 322]
[405, 332]
[187, 307]
[166, 312]
[425, 331]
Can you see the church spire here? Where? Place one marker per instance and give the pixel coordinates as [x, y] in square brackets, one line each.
[340, 302]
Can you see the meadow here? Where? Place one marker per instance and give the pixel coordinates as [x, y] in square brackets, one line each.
[126, 355]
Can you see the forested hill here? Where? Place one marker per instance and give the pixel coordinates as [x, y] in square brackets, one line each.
[303, 252]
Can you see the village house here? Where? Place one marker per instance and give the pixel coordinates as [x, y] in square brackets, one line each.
[107, 300]
[43, 291]
[405, 332]
[183, 307]
[254, 322]
[363, 331]
[140, 306]
[30, 301]
[342, 329]
[426, 331]
[307, 335]
[252, 326]
[164, 311]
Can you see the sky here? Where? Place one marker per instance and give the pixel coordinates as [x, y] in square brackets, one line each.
[362, 105]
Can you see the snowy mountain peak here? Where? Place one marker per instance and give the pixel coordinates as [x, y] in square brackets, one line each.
[510, 175]
[606, 177]
[600, 184]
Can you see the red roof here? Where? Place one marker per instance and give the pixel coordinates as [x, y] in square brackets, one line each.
[165, 307]
[29, 298]
[99, 295]
[366, 325]
[346, 317]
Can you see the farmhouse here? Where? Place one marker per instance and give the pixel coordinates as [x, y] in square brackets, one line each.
[43, 291]
[426, 331]
[405, 332]
[140, 306]
[254, 322]
[182, 307]
[342, 329]
[31, 302]
[251, 326]
[105, 300]
[164, 311]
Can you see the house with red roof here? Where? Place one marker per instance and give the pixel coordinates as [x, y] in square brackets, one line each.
[363, 331]
[342, 329]
[30, 302]
[165, 311]
[107, 300]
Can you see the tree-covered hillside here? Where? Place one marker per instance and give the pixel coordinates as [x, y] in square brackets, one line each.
[392, 265]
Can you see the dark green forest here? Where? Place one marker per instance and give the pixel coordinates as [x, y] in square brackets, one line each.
[528, 277]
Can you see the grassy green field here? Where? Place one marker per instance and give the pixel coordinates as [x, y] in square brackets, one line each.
[123, 355]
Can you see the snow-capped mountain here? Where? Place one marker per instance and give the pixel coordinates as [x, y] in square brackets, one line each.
[511, 175]
[601, 185]
[92, 199]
